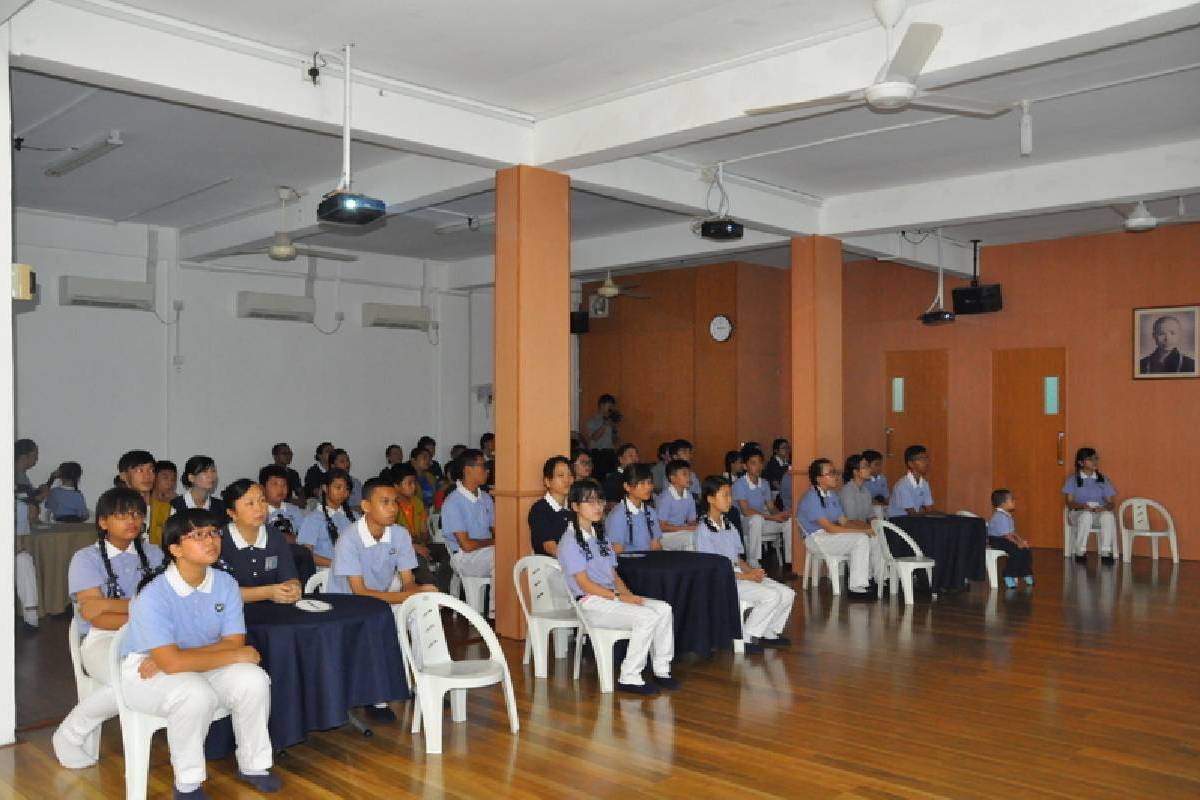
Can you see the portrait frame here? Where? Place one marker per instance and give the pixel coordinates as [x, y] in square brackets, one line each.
[1182, 353]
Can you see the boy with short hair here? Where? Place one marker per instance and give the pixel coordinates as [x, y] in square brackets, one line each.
[877, 483]
[469, 520]
[281, 515]
[136, 470]
[752, 495]
[911, 496]
[166, 478]
[682, 450]
[1002, 535]
[410, 508]
[677, 508]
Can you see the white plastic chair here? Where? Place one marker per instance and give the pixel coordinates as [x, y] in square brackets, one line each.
[551, 612]
[419, 621]
[137, 729]
[435, 527]
[991, 555]
[739, 645]
[84, 683]
[814, 557]
[1069, 535]
[318, 581]
[1140, 507]
[603, 640]
[904, 566]
[472, 589]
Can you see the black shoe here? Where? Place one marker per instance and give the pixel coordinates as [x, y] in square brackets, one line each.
[1107, 558]
[1081, 559]
[194, 794]
[667, 682]
[776, 642]
[267, 784]
[384, 714]
[637, 688]
[751, 648]
[864, 596]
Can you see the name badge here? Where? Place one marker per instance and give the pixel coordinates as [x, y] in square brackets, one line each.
[272, 562]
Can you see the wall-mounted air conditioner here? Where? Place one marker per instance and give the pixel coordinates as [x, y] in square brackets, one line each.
[385, 315]
[262, 305]
[75, 290]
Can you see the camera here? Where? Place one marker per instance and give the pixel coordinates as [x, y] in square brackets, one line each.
[613, 416]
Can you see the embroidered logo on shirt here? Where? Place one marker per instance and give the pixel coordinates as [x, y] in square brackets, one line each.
[392, 552]
[219, 607]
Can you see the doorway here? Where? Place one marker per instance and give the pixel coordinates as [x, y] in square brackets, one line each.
[1029, 424]
[917, 388]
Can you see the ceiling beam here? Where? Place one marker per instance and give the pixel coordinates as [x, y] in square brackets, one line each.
[408, 183]
[118, 47]
[1090, 181]
[981, 37]
[9, 8]
[914, 249]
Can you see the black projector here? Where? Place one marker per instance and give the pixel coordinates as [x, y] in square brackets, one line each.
[938, 317]
[721, 230]
[344, 208]
[978, 299]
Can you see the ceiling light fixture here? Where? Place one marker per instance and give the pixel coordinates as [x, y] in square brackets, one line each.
[106, 143]
[1140, 219]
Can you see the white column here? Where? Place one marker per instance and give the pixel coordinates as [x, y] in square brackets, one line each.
[8, 713]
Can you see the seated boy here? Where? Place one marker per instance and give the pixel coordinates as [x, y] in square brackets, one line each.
[469, 520]
[752, 498]
[1002, 535]
[911, 496]
[677, 508]
[877, 483]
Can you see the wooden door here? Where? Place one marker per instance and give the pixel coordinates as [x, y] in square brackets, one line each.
[917, 388]
[1029, 423]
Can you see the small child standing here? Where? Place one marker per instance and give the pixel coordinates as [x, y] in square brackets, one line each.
[1002, 535]
[65, 502]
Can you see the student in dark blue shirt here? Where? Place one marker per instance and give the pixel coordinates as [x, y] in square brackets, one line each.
[256, 555]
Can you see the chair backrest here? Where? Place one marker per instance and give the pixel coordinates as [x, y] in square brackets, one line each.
[583, 620]
[540, 575]
[435, 527]
[965, 513]
[1141, 514]
[114, 665]
[884, 526]
[420, 623]
[74, 640]
[318, 581]
[884, 549]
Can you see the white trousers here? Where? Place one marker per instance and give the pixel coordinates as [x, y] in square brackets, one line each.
[26, 580]
[679, 540]
[85, 719]
[479, 563]
[1082, 522]
[866, 559]
[653, 633]
[189, 700]
[754, 526]
[771, 604]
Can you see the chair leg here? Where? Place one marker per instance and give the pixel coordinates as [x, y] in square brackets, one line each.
[1127, 549]
[604, 665]
[993, 577]
[929, 575]
[835, 576]
[458, 705]
[1154, 548]
[906, 580]
[455, 585]
[528, 649]
[416, 720]
[510, 702]
[136, 740]
[1174, 547]
[579, 652]
[431, 710]
[808, 560]
[536, 637]
[562, 642]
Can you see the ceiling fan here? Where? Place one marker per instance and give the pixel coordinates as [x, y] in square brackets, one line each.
[895, 86]
[1138, 218]
[282, 248]
[611, 289]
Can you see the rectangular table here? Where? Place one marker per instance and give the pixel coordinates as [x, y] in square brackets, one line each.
[52, 547]
[957, 545]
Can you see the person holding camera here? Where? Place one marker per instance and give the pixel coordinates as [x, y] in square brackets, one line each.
[601, 434]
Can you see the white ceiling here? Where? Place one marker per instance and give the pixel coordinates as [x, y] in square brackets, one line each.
[1119, 118]
[533, 56]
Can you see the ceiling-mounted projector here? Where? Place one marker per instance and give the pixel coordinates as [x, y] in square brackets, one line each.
[721, 230]
[345, 208]
[936, 317]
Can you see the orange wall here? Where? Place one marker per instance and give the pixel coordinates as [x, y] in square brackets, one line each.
[1074, 293]
[672, 380]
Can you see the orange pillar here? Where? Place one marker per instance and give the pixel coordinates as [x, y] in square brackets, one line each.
[533, 360]
[816, 355]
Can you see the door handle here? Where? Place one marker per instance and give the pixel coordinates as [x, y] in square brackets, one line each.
[887, 441]
[1061, 445]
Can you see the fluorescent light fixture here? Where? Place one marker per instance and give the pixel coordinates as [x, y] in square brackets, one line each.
[86, 154]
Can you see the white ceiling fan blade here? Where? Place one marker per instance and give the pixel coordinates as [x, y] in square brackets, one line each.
[326, 254]
[849, 98]
[914, 50]
[936, 101]
[229, 253]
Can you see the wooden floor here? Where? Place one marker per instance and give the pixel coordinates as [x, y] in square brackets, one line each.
[1086, 686]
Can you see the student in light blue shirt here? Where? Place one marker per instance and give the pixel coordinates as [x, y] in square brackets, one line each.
[752, 494]
[1002, 535]
[184, 655]
[677, 508]
[911, 495]
[631, 526]
[1090, 504]
[65, 502]
[877, 483]
[469, 519]
[281, 515]
[101, 579]
[340, 459]
[320, 529]
[828, 531]
[682, 450]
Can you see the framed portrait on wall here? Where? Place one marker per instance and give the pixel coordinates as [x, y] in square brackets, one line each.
[1166, 342]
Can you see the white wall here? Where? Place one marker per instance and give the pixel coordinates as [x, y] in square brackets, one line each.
[92, 383]
[483, 361]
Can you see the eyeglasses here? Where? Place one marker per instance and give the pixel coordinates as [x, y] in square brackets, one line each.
[126, 516]
[200, 534]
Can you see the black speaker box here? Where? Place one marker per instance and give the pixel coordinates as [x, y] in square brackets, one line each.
[579, 322]
[978, 299]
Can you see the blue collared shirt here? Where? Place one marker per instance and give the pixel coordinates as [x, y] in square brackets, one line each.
[879, 486]
[64, 502]
[314, 531]
[169, 611]
[600, 568]
[1001, 523]
[617, 526]
[757, 497]
[908, 494]
[1092, 490]
[675, 509]
[462, 511]
[725, 542]
[811, 509]
[87, 571]
[376, 561]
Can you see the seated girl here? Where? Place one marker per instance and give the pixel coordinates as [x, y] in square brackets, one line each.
[200, 483]
[102, 577]
[589, 564]
[321, 527]
[631, 526]
[771, 602]
[823, 521]
[548, 516]
[65, 502]
[258, 557]
[184, 655]
[1090, 505]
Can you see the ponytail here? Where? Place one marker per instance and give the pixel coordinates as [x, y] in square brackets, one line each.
[814, 472]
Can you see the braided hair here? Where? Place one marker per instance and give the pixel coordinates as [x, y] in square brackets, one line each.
[582, 491]
[814, 472]
[327, 480]
[177, 525]
[1080, 455]
[119, 501]
[632, 475]
[712, 484]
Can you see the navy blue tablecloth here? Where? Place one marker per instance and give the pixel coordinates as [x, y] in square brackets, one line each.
[701, 590]
[321, 665]
[956, 544]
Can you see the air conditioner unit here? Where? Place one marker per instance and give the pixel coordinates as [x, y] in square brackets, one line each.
[75, 290]
[385, 315]
[289, 307]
